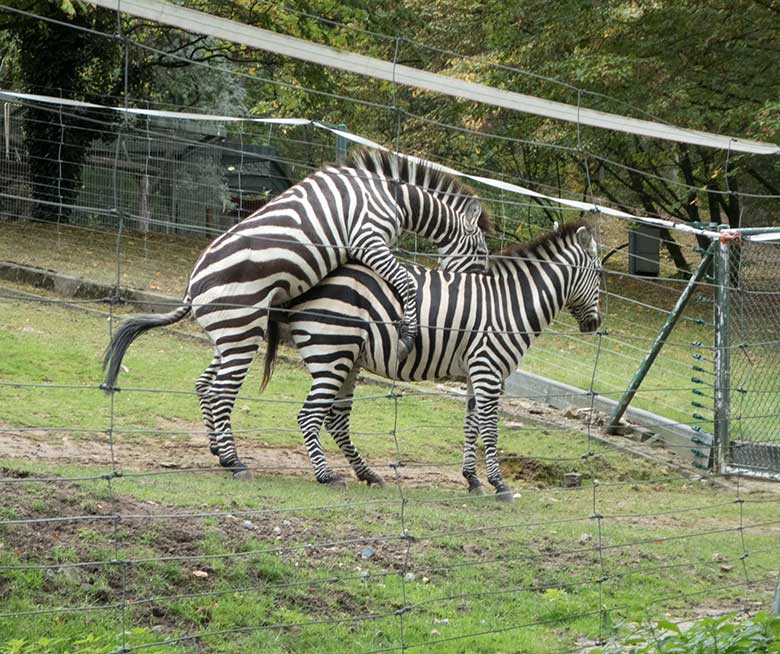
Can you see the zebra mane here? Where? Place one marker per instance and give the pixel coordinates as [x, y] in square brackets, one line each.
[536, 249]
[421, 174]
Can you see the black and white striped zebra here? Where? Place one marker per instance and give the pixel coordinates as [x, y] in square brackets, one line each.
[340, 212]
[474, 327]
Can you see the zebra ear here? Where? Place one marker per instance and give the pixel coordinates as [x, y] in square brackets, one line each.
[473, 212]
[586, 241]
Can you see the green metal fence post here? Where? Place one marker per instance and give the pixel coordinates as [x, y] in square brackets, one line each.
[660, 339]
[721, 442]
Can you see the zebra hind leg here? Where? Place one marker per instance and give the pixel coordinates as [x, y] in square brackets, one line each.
[310, 419]
[205, 398]
[337, 424]
[229, 375]
[471, 432]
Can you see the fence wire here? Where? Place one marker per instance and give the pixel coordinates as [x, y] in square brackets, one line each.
[182, 558]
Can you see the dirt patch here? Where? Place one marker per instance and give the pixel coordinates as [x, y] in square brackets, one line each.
[190, 450]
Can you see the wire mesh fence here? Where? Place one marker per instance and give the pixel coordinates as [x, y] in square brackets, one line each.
[754, 363]
[120, 534]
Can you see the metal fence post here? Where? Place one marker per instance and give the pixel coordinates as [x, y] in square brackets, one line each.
[341, 144]
[776, 598]
[660, 339]
[721, 441]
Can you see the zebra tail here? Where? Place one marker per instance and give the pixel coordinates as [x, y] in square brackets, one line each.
[272, 339]
[128, 331]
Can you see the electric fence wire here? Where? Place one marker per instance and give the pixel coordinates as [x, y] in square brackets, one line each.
[405, 540]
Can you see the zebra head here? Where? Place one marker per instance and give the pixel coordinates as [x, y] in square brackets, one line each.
[467, 251]
[583, 298]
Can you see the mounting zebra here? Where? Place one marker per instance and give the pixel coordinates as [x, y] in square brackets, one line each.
[474, 326]
[339, 212]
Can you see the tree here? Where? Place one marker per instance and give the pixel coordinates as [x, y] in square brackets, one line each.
[52, 57]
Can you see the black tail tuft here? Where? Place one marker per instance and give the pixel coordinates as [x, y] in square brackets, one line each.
[272, 338]
[128, 331]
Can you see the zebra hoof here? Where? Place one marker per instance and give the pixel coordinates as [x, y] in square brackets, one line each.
[239, 470]
[479, 489]
[373, 480]
[505, 495]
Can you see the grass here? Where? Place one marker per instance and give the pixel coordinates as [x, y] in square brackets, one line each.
[161, 263]
[532, 573]
[491, 577]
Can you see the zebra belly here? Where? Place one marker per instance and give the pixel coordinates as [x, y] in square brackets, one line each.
[370, 313]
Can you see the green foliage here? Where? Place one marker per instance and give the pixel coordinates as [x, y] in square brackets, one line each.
[710, 635]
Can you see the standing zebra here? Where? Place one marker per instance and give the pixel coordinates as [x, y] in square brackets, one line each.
[353, 211]
[475, 326]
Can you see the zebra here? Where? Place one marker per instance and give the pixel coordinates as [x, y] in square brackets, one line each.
[475, 327]
[283, 249]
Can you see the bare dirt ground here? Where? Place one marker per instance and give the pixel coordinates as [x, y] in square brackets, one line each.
[191, 451]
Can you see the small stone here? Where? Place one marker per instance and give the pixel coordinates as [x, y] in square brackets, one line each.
[367, 552]
[245, 408]
[514, 425]
[644, 434]
[717, 556]
[516, 496]
[277, 530]
[571, 412]
[585, 538]
[425, 580]
[286, 523]
[168, 464]
[364, 574]
[248, 524]
[201, 574]
[726, 568]
[410, 576]
[435, 632]
[572, 480]
[441, 621]
[621, 429]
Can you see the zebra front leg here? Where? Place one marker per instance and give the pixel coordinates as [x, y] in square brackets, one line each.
[373, 251]
[471, 432]
[337, 424]
[487, 392]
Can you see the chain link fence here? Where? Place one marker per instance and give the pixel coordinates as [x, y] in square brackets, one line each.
[169, 176]
[754, 361]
